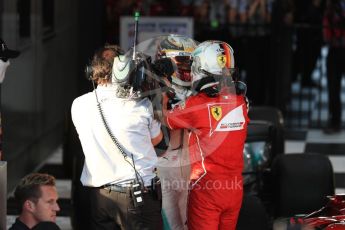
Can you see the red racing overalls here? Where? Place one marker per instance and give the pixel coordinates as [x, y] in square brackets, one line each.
[218, 132]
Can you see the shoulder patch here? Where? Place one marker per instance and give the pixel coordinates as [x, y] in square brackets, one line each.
[226, 119]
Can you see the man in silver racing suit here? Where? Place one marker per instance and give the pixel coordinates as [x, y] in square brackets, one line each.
[174, 166]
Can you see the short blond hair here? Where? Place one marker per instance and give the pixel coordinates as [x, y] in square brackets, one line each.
[29, 187]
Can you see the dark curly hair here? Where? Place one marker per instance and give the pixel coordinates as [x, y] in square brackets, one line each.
[102, 63]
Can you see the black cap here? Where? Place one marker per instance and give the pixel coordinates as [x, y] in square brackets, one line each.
[5, 52]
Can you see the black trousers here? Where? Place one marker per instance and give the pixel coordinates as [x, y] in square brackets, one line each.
[112, 210]
[335, 69]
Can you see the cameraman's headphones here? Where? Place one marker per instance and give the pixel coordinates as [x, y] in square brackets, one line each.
[123, 67]
[88, 71]
[135, 73]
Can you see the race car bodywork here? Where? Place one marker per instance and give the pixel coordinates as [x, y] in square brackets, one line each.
[331, 216]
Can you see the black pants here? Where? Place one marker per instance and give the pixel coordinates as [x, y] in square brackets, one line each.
[111, 210]
[335, 69]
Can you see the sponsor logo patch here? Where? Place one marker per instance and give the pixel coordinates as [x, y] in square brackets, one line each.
[234, 125]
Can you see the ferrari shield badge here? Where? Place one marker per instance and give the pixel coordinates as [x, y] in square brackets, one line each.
[216, 112]
[221, 59]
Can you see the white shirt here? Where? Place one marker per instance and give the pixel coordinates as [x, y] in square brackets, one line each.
[130, 121]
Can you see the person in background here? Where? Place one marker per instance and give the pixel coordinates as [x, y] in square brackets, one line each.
[309, 39]
[280, 46]
[334, 35]
[5, 55]
[217, 119]
[257, 50]
[37, 198]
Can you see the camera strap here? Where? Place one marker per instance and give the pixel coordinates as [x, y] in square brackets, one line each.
[137, 187]
[116, 142]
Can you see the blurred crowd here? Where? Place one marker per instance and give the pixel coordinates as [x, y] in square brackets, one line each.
[277, 42]
[249, 26]
[214, 13]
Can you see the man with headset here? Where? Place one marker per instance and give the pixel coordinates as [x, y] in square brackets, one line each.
[118, 132]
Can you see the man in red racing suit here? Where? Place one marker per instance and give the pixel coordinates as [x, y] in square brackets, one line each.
[218, 131]
[217, 119]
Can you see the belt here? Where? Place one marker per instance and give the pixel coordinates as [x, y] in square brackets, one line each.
[121, 189]
[116, 188]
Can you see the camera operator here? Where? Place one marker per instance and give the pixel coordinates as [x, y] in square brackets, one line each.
[122, 195]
